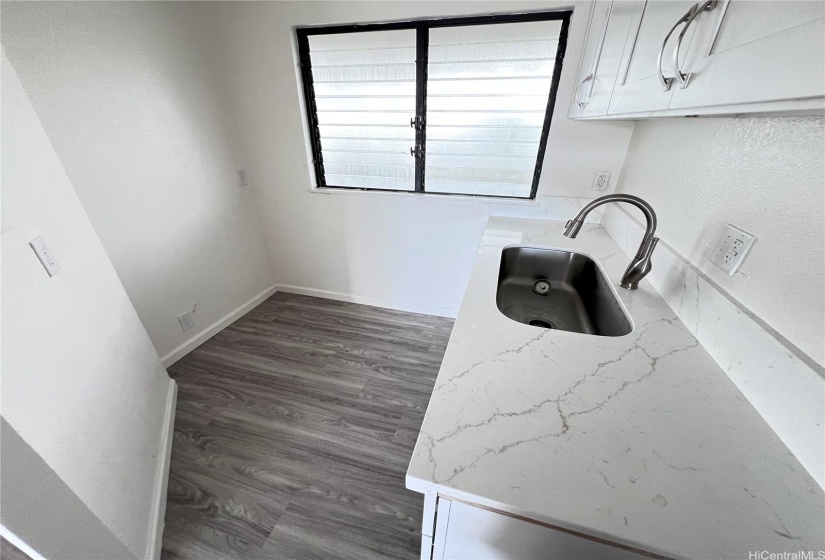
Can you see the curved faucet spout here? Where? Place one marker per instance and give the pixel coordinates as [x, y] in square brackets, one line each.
[640, 266]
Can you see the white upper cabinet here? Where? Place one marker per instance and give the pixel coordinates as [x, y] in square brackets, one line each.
[601, 56]
[648, 58]
[751, 52]
[646, 79]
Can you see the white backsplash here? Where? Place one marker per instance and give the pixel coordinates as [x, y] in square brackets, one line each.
[547, 208]
[784, 386]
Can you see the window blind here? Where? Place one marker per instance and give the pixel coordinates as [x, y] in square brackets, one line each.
[450, 106]
[365, 97]
[487, 93]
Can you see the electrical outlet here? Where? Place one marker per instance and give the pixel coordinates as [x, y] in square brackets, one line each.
[243, 179]
[38, 244]
[602, 181]
[187, 321]
[732, 248]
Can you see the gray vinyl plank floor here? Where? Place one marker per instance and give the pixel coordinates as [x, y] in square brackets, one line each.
[10, 552]
[293, 431]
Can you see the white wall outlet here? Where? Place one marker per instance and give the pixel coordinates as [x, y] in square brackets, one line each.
[732, 249]
[45, 255]
[187, 321]
[602, 181]
[243, 178]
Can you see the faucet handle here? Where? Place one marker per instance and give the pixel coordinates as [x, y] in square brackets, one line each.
[651, 245]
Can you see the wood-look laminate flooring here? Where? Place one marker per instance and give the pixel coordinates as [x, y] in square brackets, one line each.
[10, 552]
[293, 431]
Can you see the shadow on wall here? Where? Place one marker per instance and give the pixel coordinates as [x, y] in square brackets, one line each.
[134, 99]
[417, 255]
[37, 505]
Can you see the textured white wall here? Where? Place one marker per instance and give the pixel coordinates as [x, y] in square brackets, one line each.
[82, 384]
[763, 175]
[133, 98]
[414, 251]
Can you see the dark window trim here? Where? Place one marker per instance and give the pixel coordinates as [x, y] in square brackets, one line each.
[422, 28]
[422, 52]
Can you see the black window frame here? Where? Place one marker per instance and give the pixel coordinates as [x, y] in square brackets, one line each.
[422, 28]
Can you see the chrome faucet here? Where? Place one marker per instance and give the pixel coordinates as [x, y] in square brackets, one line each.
[640, 265]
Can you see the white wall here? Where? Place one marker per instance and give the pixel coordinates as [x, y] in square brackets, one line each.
[44, 510]
[402, 250]
[134, 101]
[82, 384]
[763, 175]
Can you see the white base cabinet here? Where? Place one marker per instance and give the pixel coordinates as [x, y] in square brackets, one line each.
[734, 57]
[466, 532]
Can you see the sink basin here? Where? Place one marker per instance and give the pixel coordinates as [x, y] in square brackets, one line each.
[555, 289]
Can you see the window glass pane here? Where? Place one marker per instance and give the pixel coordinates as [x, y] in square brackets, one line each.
[487, 92]
[365, 96]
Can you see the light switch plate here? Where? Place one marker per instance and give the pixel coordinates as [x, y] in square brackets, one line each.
[732, 248]
[45, 255]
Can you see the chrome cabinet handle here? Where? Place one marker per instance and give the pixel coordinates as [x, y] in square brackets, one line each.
[578, 99]
[667, 82]
[591, 77]
[696, 10]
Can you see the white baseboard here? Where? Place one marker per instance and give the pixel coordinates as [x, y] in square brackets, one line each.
[162, 477]
[375, 302]
[180, 351]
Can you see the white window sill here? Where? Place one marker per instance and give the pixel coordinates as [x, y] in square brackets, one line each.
[431, 196]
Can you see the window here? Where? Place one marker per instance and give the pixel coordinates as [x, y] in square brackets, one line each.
[450, 106]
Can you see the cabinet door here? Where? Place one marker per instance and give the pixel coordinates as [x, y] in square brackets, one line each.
[638, 86]
[606, 35]
[465, 532]
[748, 52]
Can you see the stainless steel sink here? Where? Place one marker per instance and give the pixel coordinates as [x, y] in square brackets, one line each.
[556, 289]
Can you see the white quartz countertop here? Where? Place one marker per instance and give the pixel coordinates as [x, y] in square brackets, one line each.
[641, 440]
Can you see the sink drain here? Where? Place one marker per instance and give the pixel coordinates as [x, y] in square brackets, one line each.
[541, 287]
[541, 323]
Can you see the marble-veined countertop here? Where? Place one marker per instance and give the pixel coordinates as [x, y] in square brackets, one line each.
[641, 440]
